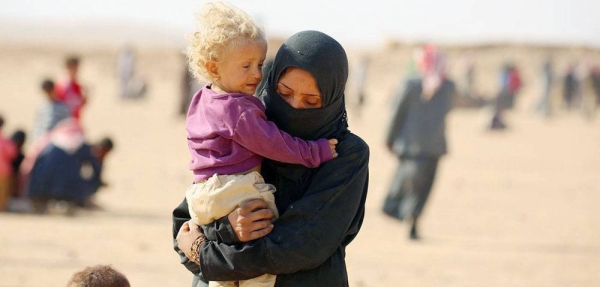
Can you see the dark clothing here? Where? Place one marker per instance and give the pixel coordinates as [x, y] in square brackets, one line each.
[570, 89]
[418, 126]
[321, 211]
[60, 175]
[16, 165]
[410, 187]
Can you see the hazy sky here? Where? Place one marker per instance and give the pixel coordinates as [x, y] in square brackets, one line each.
[352, 21]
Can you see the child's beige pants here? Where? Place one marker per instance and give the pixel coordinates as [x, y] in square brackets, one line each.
[217, 196]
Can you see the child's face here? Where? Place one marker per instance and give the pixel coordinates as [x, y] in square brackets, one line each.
[241, 68]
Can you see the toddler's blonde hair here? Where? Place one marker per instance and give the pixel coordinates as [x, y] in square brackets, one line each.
[220, 25]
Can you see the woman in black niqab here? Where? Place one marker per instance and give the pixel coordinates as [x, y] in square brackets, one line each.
[321, 209]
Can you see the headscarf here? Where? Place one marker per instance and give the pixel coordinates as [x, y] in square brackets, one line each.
[325, 59]
[432, 65]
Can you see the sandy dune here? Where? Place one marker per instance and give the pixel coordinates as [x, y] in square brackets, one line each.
[517, 208]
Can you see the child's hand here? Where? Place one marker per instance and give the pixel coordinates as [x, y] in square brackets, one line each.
[332, 143]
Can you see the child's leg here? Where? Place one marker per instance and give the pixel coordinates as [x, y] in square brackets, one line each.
[219, 195]
[266, 280]
[266, 191]
[4, 193]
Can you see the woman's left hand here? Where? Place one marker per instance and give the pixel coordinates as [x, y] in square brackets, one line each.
[186, 236]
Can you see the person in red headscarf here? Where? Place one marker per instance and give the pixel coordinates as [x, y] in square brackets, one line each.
[69, 91]
[417, 136]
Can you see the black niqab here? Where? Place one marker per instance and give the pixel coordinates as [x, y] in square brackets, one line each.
[325, 59]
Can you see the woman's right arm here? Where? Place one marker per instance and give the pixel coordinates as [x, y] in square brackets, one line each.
[251, 220]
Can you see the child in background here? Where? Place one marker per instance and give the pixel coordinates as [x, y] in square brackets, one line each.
[69, 90]
[18, 138]
[98, 276]
[50, 112]
[228, 133]
[8, 152]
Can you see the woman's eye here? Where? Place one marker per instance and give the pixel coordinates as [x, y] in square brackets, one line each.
[311, 101]
[283, 94]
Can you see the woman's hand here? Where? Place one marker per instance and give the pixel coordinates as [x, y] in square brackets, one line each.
[251, 220]
[186, 236]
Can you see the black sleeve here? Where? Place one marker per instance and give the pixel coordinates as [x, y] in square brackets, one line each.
[220, 231]
[328, 216]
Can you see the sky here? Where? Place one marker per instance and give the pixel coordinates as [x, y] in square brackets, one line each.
[353, 22]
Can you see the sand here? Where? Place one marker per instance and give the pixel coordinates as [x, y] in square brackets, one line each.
[514, 208]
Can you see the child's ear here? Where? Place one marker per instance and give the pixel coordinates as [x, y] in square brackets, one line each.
[212, 69]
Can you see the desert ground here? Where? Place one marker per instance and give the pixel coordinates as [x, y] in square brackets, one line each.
[511, 208]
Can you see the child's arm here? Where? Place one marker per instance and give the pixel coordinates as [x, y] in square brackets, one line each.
[262, 137]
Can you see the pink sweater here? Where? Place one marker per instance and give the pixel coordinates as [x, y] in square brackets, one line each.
[229, 133]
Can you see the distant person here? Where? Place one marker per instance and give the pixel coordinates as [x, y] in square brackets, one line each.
[544, 104]
[67, 169]
[92, 171]
[571, 86]
[50, 112]
[360, 76]
[469, 78]
[417, 136]
[130, 86]
[588, 96]
[468, 95]
[70, 92]
[18, 138]
[510, 84]
[228, 133]
[8, 152]
[189, 86]
[98, 276]
[595, 76]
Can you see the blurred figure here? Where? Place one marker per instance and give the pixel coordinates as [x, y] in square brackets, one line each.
[595, 76]
[571, 86]
[510, 84]
[8, 152]
[50, 112]
[18, 138]
[544, 104]
[588, 93]
[67, 169]
[130, 86]
[189, 86]
[469, 74]
[360, 77]
[468, 96]
[417, 137]
[98, 276]
[70, 91]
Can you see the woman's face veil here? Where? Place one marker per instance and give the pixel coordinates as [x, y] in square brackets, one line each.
[325, 59]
